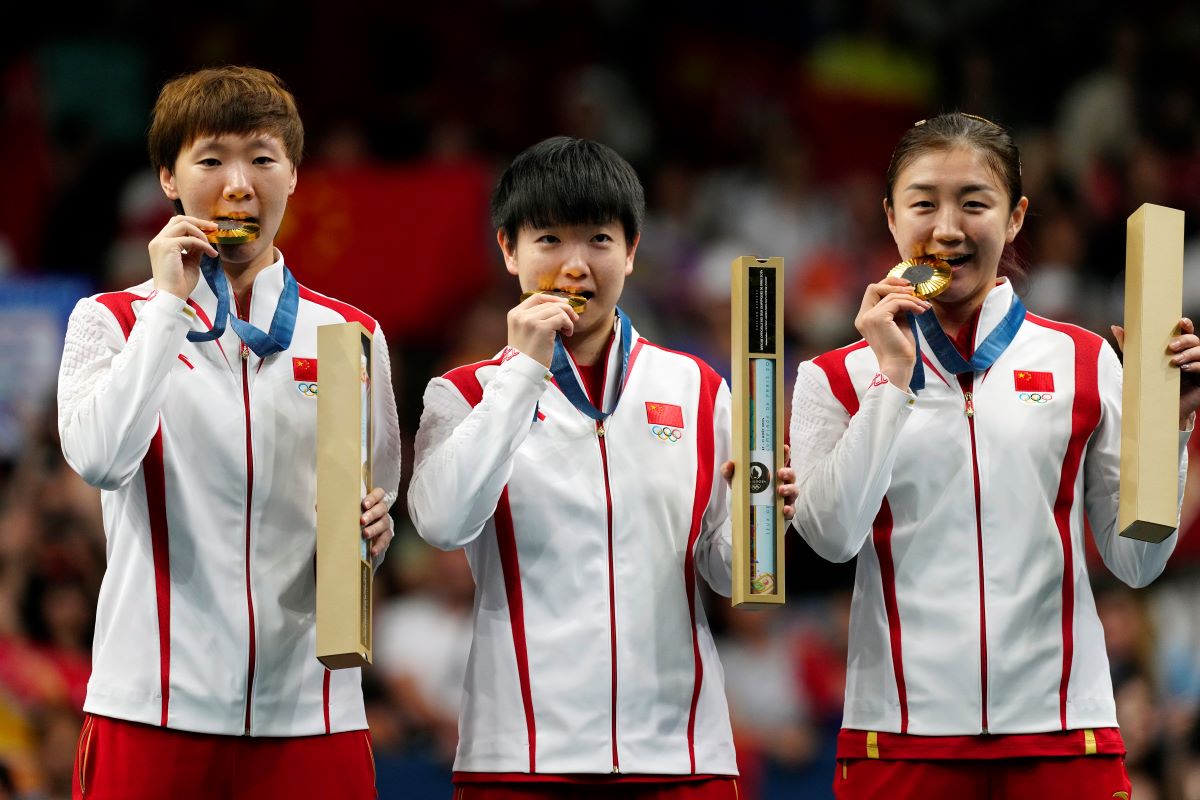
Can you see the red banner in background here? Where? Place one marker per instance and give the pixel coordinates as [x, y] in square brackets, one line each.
[411, 246]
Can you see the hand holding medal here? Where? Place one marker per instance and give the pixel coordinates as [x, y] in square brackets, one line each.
[541, 316]
[883, 316]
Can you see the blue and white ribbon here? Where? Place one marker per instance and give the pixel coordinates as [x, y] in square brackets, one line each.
[985, 355]
[263, 343]
[568, 383]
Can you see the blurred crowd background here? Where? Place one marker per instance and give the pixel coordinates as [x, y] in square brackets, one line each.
[757, 129]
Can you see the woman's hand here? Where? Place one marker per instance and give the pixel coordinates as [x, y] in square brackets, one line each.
[376, 522]
[1185, 354]
[533, 324]
[785, 481]
[175, 254]
[881, 322]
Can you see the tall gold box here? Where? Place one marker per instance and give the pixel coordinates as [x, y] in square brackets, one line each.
[344, 435]
[1149, 505]
[758, 432]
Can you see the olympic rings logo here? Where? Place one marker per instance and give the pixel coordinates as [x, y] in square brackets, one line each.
[666, 434]
[307, 389]
[1035, 398]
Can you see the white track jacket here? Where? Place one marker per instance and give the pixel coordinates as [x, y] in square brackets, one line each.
[591, 651]
[972, 612]
[206, 462]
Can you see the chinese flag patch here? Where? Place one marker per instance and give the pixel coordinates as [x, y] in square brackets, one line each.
[664, 414]
[304, 369]
[1025, 380]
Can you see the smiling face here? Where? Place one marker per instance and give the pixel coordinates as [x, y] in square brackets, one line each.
[589, 259]
[951, 204]
[238, 177]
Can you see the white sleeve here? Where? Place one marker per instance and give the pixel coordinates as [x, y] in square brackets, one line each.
[843, 464]
[714, 547]
[386, 438]
[1136, 563]
[464, 455]
[110, 390]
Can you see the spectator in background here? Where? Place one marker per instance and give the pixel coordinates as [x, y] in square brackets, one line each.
[422, 640]
[767, 707]
[44, 637]
[1097, 118]
[1131, 645]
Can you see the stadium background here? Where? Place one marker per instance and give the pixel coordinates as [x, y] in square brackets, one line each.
[757, 129]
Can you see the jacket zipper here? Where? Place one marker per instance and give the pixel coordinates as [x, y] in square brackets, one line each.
[612, 593]
[967, 382]
[245, 354]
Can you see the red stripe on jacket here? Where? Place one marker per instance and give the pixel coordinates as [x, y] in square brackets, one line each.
[121, 306]
[349, 312]
[154, 474]
[325, 698]
[1085, 416]
[467, 382]
[510, 566]
[833, 364]
[881, 536]
[156, 505]
[710, 382]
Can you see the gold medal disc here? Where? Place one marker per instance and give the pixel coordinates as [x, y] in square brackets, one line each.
[929, 276]
[232, 231]
[576, 301]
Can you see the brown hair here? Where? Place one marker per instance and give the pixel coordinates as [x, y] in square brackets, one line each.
[222, 100]
[953, 130]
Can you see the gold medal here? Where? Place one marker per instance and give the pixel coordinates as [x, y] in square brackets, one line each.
[929, 275]
[576, 301]
[233, 231]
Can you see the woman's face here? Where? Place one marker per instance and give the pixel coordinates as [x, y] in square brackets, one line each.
[950, 203]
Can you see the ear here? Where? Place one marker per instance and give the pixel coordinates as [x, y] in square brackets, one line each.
[1017, 219]
[632, 252]
[890, 213]
[167, 181]
[292, 185]
[508, 249]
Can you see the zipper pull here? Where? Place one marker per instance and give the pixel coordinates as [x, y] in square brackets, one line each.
[600, 429]
[616, 770]
[970, 404]
[245, 351]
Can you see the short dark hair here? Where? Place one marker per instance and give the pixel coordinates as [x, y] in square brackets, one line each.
[566, 181]
[958, 129]
[230, 99]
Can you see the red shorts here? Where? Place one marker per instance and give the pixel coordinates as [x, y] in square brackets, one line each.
[132, 761]
[1065, 778]
[713, 789]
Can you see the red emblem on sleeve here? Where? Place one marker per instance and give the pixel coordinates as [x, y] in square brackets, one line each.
[1025, 380]
[304, 369]
[664, 414]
